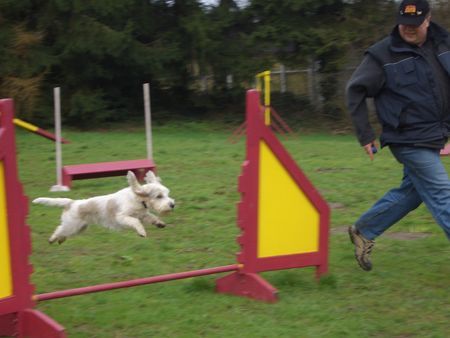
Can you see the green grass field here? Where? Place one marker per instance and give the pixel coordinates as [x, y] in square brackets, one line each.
[406, 295]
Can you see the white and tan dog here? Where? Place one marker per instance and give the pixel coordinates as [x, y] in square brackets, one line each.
[127, 208]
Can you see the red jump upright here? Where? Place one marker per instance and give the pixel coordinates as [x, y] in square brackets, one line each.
[283, 219]
[17, 316]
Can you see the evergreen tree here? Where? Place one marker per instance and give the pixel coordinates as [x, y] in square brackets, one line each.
[100, 52]
[23, 61]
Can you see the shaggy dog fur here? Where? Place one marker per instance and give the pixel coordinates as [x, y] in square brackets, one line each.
[126, 208]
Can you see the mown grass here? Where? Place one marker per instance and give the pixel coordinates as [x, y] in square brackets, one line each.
[406, 295]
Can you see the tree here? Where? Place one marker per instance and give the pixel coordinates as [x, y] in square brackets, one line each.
[100, 52]
[22, 59]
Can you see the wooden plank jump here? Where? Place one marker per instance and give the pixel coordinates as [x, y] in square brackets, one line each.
[106, 169]
[66, 174]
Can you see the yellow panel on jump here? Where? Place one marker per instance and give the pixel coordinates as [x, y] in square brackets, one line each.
[5, 259]
[288, 223]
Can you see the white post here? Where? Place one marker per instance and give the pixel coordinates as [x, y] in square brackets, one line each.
[148, 121]
[57, 107]
[229, 80]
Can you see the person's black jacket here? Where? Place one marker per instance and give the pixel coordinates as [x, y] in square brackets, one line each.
[410, 90]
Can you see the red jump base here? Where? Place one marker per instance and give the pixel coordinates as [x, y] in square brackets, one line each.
[249, 285]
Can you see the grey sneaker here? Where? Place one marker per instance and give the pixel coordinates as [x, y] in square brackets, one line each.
[363, 248]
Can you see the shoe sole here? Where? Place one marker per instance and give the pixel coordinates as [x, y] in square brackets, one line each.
[365, 268]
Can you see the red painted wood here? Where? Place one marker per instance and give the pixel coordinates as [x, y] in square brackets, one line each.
[8, 324]
[276, 123]
[35, 324]
[247, 285]
[247, 208]
[50, 136]
[17, 209]
[134, 282]
[12, 309]
[282, 122]
[258, 131]
[106, 169]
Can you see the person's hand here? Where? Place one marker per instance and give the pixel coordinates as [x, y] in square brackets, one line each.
[371, 148]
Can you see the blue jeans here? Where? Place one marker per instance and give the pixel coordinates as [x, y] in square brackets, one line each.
[424, 180]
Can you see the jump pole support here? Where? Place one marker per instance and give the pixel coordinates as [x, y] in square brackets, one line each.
[275, 233]
[18, 318]
[57, 108]
[148, 120]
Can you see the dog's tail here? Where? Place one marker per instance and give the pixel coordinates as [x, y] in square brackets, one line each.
[53, 202]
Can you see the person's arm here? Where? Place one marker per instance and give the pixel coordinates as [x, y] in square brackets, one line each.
[366, 81]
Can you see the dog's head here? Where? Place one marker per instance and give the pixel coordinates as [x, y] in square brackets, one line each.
[152, 194]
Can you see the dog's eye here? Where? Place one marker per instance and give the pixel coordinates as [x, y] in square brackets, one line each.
[159, 196]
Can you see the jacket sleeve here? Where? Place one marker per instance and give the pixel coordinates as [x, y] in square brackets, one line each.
[366, 81]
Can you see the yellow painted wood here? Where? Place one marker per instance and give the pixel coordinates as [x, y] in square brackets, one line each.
[267, 98]
[25, 125]
[288, 223]
[264, 77]
[5, 259]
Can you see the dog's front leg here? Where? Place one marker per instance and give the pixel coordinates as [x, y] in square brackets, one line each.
[152, 219]
[132, 223]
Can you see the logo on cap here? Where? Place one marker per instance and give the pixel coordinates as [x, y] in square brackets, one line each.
[410, 9]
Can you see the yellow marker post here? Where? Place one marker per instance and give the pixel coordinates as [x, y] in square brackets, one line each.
[266, 77]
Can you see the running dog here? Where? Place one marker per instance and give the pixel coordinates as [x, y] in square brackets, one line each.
[126, 208]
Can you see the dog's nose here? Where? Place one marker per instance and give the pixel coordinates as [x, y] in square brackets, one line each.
[172, 205]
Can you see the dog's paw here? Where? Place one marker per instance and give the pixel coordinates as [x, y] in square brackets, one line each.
[160, 224]
[142, 233]
[54, 239]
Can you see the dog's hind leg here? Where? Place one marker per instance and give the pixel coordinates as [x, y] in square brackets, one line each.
[65, 230]
[132, 222]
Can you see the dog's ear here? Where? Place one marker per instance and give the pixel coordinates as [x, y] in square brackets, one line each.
[151, 178]
[131, 176]
[134, 184]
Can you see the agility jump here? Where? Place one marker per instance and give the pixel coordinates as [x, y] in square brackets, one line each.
[66, 174]
[275, 234]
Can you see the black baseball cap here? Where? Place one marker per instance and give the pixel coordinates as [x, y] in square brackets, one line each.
[412, 12]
